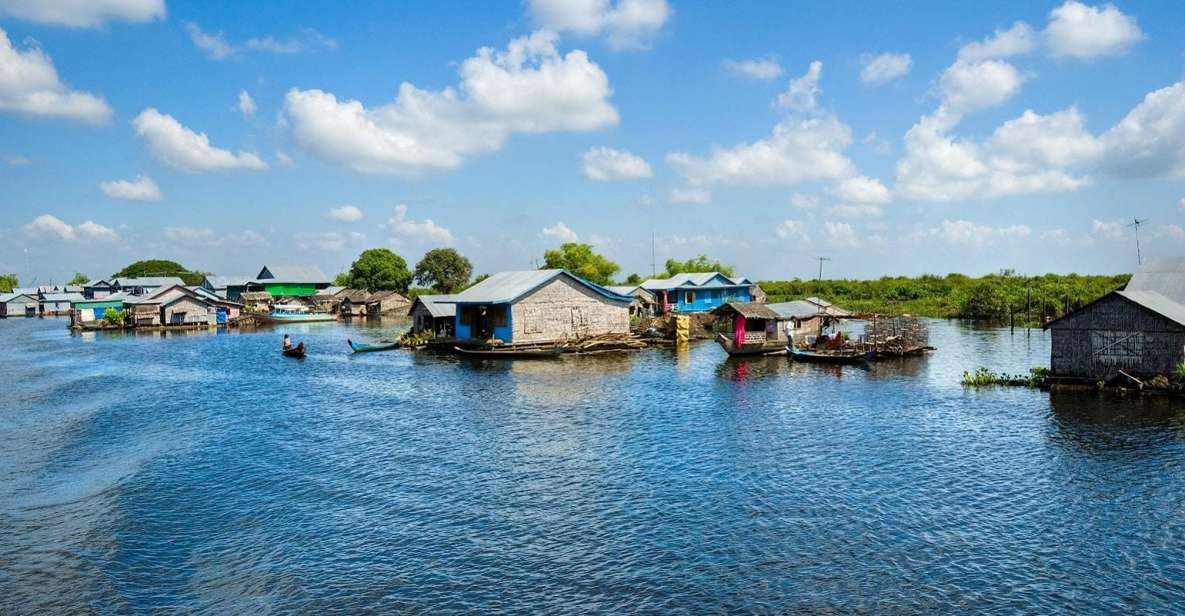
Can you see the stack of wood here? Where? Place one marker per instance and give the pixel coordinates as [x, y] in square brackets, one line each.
[607, 343]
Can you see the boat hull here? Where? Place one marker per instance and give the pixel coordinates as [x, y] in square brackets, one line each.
[297, 318]
[830, 358]
[372, 348]
[511, 353]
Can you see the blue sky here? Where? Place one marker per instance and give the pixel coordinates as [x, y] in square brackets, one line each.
[946, 137]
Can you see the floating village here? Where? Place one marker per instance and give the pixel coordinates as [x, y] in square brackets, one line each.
[1132, 337]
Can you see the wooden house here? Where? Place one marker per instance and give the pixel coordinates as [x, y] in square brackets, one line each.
[1139, 330]
[93, 310]
[751, 329]
[698, 292]
[171, 306]
[144, 285]
[387, 302]
[16, 305]
[433, 313]
[256, 301]
[58, 304]
[326, 300]
[538, 306]
[645, 302]
[228, 287]
[352, 303]
[808, 317]
[97, 289]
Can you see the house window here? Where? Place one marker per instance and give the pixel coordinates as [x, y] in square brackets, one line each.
[1117, 348]
[532, 324]
[689, 297]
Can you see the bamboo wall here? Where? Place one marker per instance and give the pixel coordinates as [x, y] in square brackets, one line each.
[566, 310]
[1115, 334]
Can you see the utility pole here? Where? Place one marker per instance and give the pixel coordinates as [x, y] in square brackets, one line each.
[821, 260]
[1135, 224]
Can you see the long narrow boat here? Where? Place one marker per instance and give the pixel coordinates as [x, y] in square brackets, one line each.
[512, 353]
[830, 357]
[297, 351]
[295, 313]
[362, 347]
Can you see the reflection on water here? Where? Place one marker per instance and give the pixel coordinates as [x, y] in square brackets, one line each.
[201, 472]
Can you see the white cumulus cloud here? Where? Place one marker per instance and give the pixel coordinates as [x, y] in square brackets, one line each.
[246, 104]
[1017, 40]
[969, 86]
[49, 226]
[764, 69]
[402, 227]
[345, 213]
[1077, 30]
[1150, 140]
[801, 93]
[140, 189]
[862, 189]
[882, 68]
[625, 23]
[974, 234]
[841, 235]
[792, 230]
[83, 13]
[527, 88]
[183, 149]
[29, 85]
[561, 233]
[607, 164]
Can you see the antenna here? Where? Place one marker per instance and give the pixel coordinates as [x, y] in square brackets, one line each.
[1135, 224]
[653, 260]
[821, 260]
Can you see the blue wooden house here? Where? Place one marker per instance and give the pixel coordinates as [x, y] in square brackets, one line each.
[699, 292]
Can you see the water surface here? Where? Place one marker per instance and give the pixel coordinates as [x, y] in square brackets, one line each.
[203, 473]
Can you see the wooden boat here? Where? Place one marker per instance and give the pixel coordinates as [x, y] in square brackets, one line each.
[362, 347]
[295, 313]
[512, 353]
[830, 357]
[297, 351]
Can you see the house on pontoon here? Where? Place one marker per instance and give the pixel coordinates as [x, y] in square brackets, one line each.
[15, 305]
[698, 292]
[538, 306]
[290, 281]
[645, 302]
[433, 313]
[751, 329]
[808, 317]
[170, 306]
[1139, 330]
[229, 287]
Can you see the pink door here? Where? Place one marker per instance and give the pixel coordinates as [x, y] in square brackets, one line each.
[739, 330]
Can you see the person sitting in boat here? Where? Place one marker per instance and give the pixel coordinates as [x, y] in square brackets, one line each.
[287, 342]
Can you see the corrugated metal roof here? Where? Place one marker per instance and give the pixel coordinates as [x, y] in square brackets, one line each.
[1164, 275]
[114, 297]
[435, 306]
[222, 282]
[150, 281]
[631, 290]
[506, 287]
[292, 273]
[62, 297]
[1157, 303]
[8, 297]
[331, 291]
[693, 279]
[798, 309]
[750, 310]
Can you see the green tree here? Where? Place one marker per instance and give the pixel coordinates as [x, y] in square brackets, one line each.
[79, 279]
[8, 282]
[633, 279]
[113, 316]
[699, 264]
[379, 269]
[342, 280]
[160, 267]
[582, 261]
[443, 269]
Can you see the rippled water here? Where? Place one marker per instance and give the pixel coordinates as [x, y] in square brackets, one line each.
[204, 473]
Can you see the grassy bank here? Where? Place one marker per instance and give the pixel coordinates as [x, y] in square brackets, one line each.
[1005, 297]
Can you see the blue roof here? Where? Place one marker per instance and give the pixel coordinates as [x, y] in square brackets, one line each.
[508, 287]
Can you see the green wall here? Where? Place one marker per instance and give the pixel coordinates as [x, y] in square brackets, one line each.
[290, 290]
